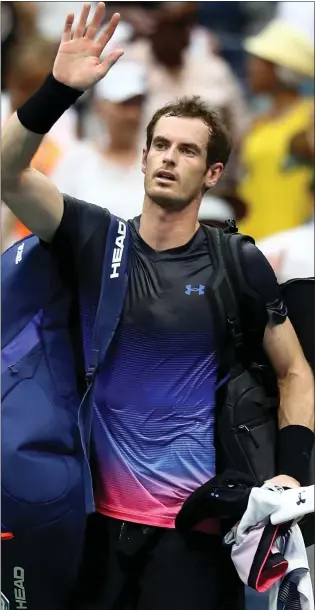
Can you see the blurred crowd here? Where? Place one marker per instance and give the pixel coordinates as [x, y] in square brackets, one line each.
[252, 61]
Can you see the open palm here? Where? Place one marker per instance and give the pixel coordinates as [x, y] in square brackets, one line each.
[78, 63]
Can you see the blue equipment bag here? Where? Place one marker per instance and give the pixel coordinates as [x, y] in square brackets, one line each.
[46, 481]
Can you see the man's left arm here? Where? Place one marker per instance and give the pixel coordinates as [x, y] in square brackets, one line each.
[296, 410]
[294, 375]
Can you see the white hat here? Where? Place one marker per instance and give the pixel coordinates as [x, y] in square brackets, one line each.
[216, 209]
[283, 45]
[127, 79]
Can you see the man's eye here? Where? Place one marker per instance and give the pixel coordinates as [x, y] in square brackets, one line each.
[159, 145]
[189, 152]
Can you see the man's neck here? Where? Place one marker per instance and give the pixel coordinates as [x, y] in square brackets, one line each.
[163, 230]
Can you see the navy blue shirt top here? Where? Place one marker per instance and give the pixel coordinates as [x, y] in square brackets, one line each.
[153, 425]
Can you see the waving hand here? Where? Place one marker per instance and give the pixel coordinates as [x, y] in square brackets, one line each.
[78, 63]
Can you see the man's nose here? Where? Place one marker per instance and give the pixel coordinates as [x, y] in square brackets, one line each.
[170, 156]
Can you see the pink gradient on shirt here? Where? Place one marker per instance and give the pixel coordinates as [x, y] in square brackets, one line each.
[157, 508]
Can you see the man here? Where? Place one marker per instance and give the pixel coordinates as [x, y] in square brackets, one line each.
[153, 428]
[109, 171]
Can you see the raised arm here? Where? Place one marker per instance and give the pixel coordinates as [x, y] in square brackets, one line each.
[30, 195]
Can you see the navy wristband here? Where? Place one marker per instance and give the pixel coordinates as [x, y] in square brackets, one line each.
[295, 444]
[43, 109]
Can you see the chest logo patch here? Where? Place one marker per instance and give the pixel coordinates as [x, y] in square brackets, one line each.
[200, 290]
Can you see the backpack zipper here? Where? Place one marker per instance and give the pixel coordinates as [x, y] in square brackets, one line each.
[242, 428]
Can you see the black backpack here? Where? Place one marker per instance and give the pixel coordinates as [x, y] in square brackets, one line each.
[246, 417]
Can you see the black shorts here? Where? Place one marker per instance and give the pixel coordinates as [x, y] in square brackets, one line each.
[129, 566]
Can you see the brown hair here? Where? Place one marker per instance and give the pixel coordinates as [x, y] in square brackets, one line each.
[219, 144]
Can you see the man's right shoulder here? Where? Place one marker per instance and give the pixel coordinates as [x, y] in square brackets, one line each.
[84, 213]
[81, 222]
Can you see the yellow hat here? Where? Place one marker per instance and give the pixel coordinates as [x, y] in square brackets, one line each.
[281, 44]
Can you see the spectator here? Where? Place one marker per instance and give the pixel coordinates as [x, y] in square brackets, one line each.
[275, 190]
[141, 16]
[291, 253]
[173, 71]
[28, 64]
[51, 16]
[18, 23]
[110, 175]
[229, 22]
[215, 210]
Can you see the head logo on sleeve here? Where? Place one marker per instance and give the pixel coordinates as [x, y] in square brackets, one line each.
[118, 250]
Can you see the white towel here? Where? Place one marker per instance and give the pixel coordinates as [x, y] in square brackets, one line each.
[271, 504]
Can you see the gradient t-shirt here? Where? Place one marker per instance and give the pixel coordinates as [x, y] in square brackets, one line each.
[153, 424]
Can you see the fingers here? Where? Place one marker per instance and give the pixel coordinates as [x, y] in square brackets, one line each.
[66, 36]
[105, 36]
[81, 27]
[109, 62]
[96, 22]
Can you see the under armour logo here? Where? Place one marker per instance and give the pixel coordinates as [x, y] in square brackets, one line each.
[300, 499]
[190, 289]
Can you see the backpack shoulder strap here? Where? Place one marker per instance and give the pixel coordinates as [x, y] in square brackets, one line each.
[223, 287]
[233, 260]
[227, 285]
[112, 293]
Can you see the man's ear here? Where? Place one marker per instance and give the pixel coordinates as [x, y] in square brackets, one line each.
[144, 160]
[213, 175]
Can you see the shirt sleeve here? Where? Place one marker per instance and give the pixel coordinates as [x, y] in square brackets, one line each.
[262, 280]
[275, 249]
[80, 240]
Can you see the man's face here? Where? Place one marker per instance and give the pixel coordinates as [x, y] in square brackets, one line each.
[175, 166]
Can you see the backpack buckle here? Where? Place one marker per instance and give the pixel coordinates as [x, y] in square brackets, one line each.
[90, 374]
[237, 336]
[231, 226]
[92, 368]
